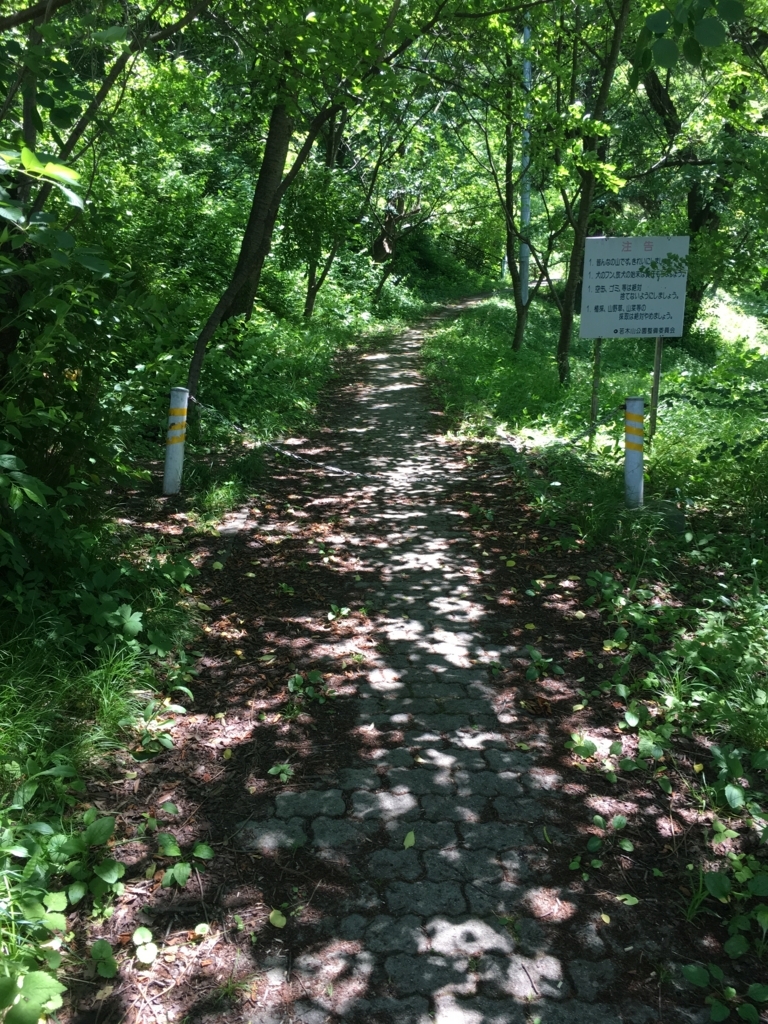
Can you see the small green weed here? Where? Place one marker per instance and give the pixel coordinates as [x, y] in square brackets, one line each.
[284, 772]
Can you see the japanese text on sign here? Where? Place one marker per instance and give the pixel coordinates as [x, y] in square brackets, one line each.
[634, 287]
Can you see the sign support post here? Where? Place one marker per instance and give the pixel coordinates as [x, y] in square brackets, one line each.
[595, 387]
[655, 386]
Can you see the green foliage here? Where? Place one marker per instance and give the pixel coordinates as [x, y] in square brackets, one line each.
[310, 689]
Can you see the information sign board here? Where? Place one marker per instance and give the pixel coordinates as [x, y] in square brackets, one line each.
[629, 291]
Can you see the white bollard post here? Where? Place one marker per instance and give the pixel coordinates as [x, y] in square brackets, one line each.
[174, 442]
[633, 452]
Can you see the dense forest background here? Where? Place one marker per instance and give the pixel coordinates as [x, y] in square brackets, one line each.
[232, 195]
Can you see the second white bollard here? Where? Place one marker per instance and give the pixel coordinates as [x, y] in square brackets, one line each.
[174, 442]
[633, 451]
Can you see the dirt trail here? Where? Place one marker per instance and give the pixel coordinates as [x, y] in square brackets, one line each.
[420, 851]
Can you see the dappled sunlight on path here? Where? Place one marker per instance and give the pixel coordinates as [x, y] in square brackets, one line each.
[444, 817]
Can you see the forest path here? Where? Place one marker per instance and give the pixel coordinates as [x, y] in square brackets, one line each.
[420, 844]
[464, 925]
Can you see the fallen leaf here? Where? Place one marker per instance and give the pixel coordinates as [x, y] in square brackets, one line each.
[698, 768]
[217, 565]
[605, 919]
[409, 840]
[277, 919]
[530, 625]
[227, 754]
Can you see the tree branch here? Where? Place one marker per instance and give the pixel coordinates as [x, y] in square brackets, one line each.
[42, 10]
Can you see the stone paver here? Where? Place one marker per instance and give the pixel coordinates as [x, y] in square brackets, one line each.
[459, 927]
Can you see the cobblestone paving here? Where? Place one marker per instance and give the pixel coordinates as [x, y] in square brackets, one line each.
[451, 930]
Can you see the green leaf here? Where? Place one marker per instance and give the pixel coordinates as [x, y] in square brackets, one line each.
[141, 935]
[758, 885]
[106, 968]
[631, 718]
[730, 10]
[692, 51]
[616, 748]
[628, 900]
[110, 870]
[33, 910]
[101, 950]
[277, 919]
[9, 989]
[169, 808]
[696, 975]
[114, 34]
[91, 262]
[168, 845]
[99, 831]
[735, 796]
[60, 173]
[39, 993]
[758, 992]
[203, 851]
[55, 900]
[737, 945]
[30, 161]
[147, 953]
[658, 22]
[665, 53]
[709, 32]
[748, 1012]
[627, 845]
[409, 840]
[599, 820]
[718, 1011]
[76, 891]
[718, 884]
[665, 785]
[618, 822]
[181, 873]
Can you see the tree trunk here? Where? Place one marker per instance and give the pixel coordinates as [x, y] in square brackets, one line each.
[312, 289]
[588, 181]
[521, 308]
[270, 189]
[239, 295]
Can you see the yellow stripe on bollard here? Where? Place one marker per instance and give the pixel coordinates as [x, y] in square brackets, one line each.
[637, 431]
[176, 440]
[633, 447]
[177, 412]
[633, 417]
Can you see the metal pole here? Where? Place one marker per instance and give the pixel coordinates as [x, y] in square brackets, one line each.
[655, 386]
[633, 452]
[525, 180]
[595, 386]
[174, 442]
